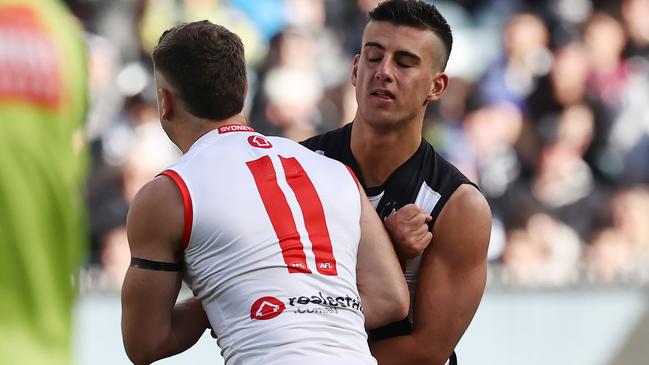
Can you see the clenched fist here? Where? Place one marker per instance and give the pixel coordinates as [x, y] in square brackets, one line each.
[409, 231]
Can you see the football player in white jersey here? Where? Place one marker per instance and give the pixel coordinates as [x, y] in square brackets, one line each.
[286, 257]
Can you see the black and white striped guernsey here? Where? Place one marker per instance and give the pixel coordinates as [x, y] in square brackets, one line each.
[426, 179]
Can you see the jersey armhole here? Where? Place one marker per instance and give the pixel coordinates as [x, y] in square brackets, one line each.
[187, 205]
[358, 184]
[445, 197]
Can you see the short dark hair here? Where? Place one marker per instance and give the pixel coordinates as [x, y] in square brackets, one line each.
[205, 64]
[417, 14]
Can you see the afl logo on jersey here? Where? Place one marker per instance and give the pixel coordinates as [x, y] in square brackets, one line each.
[259, 142]
[266, 308]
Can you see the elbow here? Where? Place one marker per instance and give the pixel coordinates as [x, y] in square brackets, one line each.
[403, 309]
[391, 310]
[139, 360]
[401, 302]
[140, 351]
[138, 355]
[399, 308]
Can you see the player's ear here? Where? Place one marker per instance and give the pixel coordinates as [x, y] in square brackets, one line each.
[166, 104]
[437, 87]
[355, 69]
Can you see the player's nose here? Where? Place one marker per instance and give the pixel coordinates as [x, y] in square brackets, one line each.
[385, 71]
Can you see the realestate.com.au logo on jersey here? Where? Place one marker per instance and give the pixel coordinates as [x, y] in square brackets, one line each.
[270, 307]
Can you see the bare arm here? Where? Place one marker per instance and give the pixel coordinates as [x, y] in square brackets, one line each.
[383, 289]
[451, 282]
[153, 325]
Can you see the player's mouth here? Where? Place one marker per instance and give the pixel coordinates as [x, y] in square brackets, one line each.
[382, 94]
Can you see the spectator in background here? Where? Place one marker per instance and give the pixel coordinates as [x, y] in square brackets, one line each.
[148, 152]
[514, 76]
[158, 15]
[563, 182]
[493, 130]
[544, 252]
[43, 96]
[292, 97]
[565, 86]
[448, 134]
[622, 86]
[290, 87]
[620, 251]
[636, 21]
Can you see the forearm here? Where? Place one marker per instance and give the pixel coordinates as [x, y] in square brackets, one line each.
[438, 326]
[381, 284]
[384, 293]
[188, 323]
[149, 338]
[443, 311]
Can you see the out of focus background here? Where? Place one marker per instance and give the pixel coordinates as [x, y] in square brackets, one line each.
[547, 110]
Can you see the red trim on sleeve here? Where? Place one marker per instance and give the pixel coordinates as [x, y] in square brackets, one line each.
[353, 175]
[187, 204]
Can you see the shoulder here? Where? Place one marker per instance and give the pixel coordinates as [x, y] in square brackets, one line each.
[326, 141]
[468, 200]
[156, 213]
[464, 225]
[162, 190]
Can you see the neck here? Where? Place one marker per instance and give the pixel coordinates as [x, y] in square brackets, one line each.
[379, 152]
[194, 129]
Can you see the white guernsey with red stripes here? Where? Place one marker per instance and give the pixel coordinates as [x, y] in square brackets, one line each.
[271, 237]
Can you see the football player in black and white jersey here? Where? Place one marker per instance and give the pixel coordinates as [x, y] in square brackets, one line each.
[400, 70]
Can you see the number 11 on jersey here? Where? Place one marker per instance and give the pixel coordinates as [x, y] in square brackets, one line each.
[282, 218]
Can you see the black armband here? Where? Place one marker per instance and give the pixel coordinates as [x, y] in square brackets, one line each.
[155, 265]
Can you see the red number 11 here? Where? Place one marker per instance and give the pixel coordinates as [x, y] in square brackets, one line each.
[282, 218]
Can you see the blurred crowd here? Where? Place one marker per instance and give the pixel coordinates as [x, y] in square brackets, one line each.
[547, 110]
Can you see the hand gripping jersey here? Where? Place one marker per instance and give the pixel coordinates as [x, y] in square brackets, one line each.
[425, 179]
[271, 235]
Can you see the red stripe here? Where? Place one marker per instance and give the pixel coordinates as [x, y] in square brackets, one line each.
[280, 214]
[187, 204]
[313, 213]
[354, 176]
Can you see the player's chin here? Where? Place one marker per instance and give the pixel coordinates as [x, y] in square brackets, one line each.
[383, 121]
[376, 113]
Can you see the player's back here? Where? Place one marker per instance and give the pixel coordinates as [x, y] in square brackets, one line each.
[271, 250]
